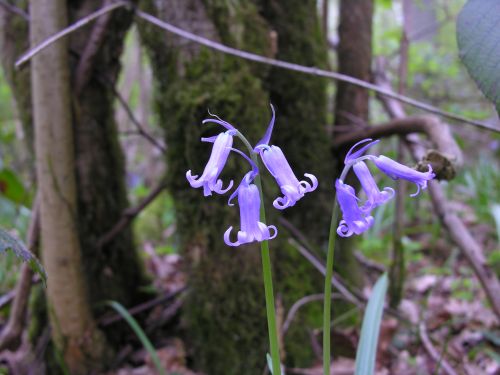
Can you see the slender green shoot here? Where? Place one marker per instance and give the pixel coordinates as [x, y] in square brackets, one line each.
[140, 334]
[327, 305]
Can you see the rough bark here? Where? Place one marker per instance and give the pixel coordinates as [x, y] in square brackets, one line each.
[225, 312]
[354, 59]
[354, 54]
[73, 327]
[113, 271]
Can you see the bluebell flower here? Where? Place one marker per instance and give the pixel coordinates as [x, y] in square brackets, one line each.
[375, 197]
[396, 170]
[292, 189]
[251, 228]
[354, 221]
[210, 177]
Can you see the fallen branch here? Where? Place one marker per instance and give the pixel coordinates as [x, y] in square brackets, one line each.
[457, 230]
[422, 331]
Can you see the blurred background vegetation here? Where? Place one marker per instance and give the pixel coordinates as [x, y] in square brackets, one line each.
[217, 324]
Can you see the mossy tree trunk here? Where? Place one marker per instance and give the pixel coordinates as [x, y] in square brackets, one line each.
[300, 131]
[351, 102]
[225, 310]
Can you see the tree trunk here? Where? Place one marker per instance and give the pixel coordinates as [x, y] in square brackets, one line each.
[352, 102]
[73, 326]
[225, 311]
[113, 271]
[300, 130]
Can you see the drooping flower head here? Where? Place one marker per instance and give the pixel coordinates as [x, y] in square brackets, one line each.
[375, 197]
[355, 221]
[395, 170]
[251, 228]
[292, 189]
[275, 161]
[210, 177]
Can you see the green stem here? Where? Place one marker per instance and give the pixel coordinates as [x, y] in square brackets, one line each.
[267, 273]
[268, 289]
[327, 310]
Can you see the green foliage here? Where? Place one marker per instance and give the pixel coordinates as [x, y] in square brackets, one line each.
[367, 347]
[12, 188]
[479, 45]
[9, 242]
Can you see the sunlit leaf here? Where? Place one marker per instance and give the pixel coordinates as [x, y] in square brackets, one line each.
[11, 187]
[479, 45]
[9, 242]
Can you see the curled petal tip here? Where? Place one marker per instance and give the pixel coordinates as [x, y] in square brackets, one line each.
[227, 240]
[271, 236]
[281, 203]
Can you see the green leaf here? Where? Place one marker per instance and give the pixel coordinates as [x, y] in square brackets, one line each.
[140, 334]
[270, 364]
[367, 348]
[386, 4]
[479, 45]
[11, 187]
[9, 242]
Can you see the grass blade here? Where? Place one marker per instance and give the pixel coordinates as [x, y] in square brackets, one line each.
[140, 334]
[367, 348]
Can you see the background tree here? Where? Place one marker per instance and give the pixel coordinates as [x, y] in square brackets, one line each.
[73, 326]
[354, 55]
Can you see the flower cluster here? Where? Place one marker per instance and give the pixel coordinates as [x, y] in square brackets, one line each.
[357, 218]
[249, 200]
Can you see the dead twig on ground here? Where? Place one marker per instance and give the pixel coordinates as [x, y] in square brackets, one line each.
[442, 362]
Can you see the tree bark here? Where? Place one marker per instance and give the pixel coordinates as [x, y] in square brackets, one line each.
[73, 326]
[225, 311]
[113, 271]
[300, 130]
[354, 59]
[352, 102]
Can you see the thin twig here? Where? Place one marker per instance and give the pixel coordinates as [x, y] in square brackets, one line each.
[422, 331]
[68, 30]
[301, 302]
[92, 46]
[129, 214]
[308, 70]
[140, 129]
[16, 10]
[321, 268]
[252, 57]
[108, 320]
